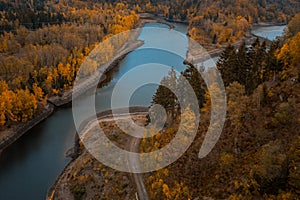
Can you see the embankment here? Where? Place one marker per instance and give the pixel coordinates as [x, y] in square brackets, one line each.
[104, 115]
[10, 135]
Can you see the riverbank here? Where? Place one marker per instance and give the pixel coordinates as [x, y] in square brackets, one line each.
[62, 187]
[268, 32]
[265, 24]
[196, 55]
[131, 44]
[10, 135]
[85, 164]
[57, 190]
[93, 80]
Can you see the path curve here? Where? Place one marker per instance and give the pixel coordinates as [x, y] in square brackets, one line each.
[133, 144]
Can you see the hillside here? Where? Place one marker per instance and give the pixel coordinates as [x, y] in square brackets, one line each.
[43, 44]
[257, 155]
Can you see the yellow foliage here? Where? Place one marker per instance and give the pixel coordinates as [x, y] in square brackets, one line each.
[166, 191]
[82, 178]
[55, 91]
[290, 52]
[188, 119]
[38, 92]
[158, 136]
[2, 113]
[227, 159]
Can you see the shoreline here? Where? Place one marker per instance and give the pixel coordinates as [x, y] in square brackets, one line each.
[131, 44]
[264, 24]
[249, 37]
[254, 28]
[11, 135]
[143, 21]
[103, 115]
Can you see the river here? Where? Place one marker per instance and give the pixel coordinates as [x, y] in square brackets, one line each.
[31, 165]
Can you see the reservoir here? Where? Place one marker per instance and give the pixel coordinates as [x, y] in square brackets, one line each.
[30, 166]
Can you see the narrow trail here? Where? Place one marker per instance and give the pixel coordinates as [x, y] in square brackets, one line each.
[133, 145]
[134, 163]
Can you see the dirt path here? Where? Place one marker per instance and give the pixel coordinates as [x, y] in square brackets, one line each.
[133, 145]
[133, 162]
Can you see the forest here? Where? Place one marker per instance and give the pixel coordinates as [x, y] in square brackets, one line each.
[217, 23]
[43, 46]
[43, 43]
[258, 153]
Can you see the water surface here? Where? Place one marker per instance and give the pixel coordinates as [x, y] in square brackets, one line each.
[31, 165]
[269, 32]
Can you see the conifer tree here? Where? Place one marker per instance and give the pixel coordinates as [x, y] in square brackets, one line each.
[227, 65]
[194, 78]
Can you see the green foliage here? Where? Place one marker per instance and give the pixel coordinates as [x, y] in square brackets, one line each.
[192, 75]
[165, 96]
[251, 160]
[249, 65]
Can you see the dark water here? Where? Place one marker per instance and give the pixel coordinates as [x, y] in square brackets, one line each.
[31, 165]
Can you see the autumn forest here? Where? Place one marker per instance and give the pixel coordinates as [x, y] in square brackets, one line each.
[43, 44]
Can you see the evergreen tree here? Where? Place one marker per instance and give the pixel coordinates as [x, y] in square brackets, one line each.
[257, 54]
[273, 66]
[244, 67]
[165, 96]
[227, 65]
[194, 78]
